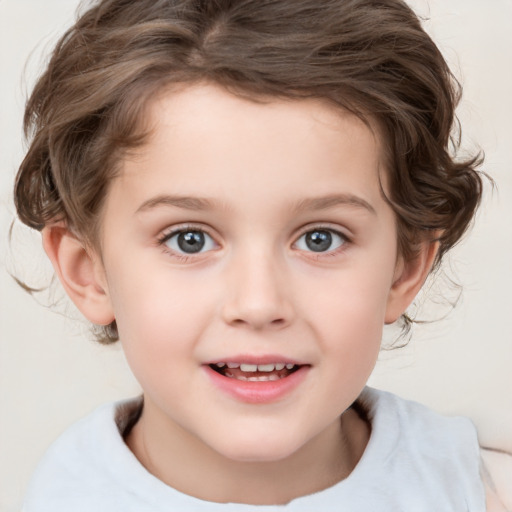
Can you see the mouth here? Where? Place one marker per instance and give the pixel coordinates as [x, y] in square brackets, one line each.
[255, 372]
[262, 380]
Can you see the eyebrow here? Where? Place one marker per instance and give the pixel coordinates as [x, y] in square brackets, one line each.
[330, 201]
[187, 203]
[203, 204]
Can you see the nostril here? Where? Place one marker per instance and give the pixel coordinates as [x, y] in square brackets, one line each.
[258, 322]
[257, 312]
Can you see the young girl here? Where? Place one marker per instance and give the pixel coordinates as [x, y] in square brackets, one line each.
[244, 193]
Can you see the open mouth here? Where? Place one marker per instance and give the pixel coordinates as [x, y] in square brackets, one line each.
[255, 372]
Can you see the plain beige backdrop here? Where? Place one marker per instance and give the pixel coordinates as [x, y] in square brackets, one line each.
[51, 373]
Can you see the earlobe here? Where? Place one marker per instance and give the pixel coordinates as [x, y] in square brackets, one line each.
[80, 273]
[409, 279]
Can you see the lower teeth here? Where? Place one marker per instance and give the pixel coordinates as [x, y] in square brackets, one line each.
[262, 378]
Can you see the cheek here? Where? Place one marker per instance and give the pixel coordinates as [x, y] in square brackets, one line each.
[157, 314]
[350, 316]
[353, 299]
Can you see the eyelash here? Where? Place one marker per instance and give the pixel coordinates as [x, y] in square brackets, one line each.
[183, 257]
[346, 241]
[167, 235]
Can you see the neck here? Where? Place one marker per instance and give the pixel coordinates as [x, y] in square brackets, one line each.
[184, 462]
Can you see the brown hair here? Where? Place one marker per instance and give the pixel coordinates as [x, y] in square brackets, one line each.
[370, 57]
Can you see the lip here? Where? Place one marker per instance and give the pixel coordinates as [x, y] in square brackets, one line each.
[252, 359]
[263, 392]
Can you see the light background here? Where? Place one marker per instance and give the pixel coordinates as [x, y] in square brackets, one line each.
[51, 373]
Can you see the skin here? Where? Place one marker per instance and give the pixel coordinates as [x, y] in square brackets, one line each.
[271, 173]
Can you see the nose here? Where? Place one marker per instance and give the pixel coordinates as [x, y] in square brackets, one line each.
[257, 293]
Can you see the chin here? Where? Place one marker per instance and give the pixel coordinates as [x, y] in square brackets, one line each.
[257, 450]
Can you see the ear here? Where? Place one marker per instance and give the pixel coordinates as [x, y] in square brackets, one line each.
[81, 273]
[408, 280]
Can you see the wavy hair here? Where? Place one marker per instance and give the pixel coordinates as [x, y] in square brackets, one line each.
[370, 57]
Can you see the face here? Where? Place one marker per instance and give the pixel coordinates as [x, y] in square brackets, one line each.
[249, 259]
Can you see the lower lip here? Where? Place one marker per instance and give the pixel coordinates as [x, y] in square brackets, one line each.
[261, 392]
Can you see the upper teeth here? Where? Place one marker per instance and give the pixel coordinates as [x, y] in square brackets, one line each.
[256, 367]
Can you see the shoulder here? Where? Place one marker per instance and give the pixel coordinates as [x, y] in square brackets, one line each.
[428, 458]
[418, 424]
[77, 446]
[497, 477]
[80, 464]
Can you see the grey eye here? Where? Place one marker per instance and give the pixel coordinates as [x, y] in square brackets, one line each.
[320, 240]
[190, 242]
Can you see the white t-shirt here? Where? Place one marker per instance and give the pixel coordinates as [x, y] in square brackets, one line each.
[415, 461]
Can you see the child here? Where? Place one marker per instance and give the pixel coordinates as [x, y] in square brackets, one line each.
[244, 193]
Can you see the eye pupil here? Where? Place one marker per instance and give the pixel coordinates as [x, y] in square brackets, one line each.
[319, 241]
[191, 241]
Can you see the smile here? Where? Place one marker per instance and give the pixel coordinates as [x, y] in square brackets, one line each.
[257, 381]
[255, 372]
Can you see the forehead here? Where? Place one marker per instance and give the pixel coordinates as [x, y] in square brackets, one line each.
[206, 141]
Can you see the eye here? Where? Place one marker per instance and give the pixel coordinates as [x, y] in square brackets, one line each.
[189, 241]
[320, 240]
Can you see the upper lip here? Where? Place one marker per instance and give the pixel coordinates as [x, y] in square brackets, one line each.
[255, 359]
